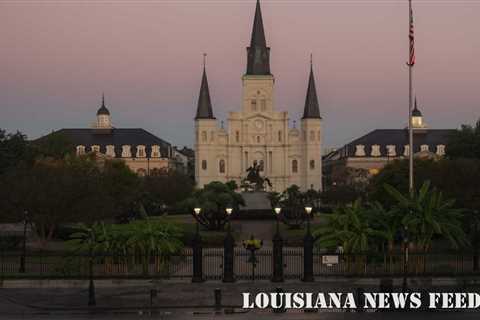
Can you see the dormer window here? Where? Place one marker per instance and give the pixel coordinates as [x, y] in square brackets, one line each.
[80, 150]
[375, 151]
[441, 150]
[391, 151]
[424, 148]
[140, 151]
[126, 153]
[155, 151]
[360, 150]
[110, 151]
[406, 150]
[95, 148]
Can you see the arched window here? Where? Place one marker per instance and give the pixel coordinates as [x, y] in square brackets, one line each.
[237, 136]
[312, 164]
[258, 139]
[221, 166]
[204, 164]
[204, 136]
[280, 136]
[294, 166]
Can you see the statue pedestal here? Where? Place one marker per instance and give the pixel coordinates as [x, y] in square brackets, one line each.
[257, 205]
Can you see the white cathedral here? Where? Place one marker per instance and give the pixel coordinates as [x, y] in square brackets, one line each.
[259, 134]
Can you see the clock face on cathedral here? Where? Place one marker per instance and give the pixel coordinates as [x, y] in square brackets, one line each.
[258, 124]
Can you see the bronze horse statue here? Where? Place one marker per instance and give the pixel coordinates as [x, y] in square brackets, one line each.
[255, 180]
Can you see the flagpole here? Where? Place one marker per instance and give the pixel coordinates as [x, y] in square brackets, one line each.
[410, 105]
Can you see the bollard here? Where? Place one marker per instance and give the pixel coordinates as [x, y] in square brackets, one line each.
[360, 299]
[218, 300]
[153, 294]
[281, 309]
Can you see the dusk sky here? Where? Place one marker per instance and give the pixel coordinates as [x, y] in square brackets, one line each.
[57, 57]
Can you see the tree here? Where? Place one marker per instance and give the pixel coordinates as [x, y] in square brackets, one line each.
[455, 178]
[293, 203]
[14, 149]
[465, 143]
[427, 214]
[213, 199]
[165, 189]
[350, 228]
[73, 189]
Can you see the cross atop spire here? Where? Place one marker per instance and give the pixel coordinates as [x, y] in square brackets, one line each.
[204, 106]
[311, 110]
[258, 52]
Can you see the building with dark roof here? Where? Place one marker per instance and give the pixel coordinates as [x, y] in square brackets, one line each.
[141, 150]
[375, 149]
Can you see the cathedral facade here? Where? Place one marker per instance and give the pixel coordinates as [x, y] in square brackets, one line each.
[258, 134]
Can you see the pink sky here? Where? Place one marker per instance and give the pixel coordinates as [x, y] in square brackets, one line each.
[56, 58]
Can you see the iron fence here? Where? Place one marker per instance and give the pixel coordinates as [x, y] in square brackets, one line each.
[246, 267]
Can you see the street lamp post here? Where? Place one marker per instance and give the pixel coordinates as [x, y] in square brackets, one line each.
[228, 251]
[24, 247]
[277, 251]
[197, 251]
[405, 259]
[308, 250]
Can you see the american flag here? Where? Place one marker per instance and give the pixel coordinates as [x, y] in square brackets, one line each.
[411, 36]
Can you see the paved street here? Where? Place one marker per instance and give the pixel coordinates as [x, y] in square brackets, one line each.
[184, 315]
[177, 300]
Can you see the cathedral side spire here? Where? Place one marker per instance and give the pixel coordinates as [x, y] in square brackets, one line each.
[312, 109]
[204, 106]
[258, 52]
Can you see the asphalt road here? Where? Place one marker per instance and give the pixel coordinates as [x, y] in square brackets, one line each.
[184, 314]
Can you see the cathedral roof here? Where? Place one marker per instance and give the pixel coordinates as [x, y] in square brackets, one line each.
[204, 106]
[311, 110]
[258, 60]
[103, 110]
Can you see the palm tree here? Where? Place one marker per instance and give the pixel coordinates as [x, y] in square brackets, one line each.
[427, 214]
[153, 240]
[90, 239]
[350, 228]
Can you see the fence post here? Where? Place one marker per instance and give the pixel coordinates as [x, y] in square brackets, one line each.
[228, 256]
[308, 255]
[91, 285]
[197, 257]
[277, 257]
[476, 241]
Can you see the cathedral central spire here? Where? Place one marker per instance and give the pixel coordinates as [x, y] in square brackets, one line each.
[258, 52]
